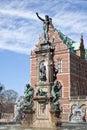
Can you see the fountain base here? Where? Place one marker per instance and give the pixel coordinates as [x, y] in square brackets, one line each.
[41, 117]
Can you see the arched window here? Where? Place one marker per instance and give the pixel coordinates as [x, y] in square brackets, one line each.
[59, 65]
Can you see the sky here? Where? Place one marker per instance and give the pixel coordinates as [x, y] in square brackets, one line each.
[20, 30]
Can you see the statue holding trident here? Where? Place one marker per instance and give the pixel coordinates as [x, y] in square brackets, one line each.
[46, 22]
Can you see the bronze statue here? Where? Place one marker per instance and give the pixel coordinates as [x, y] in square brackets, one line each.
[40, 92]
[55, 92]
[28, 97]
[46, 23]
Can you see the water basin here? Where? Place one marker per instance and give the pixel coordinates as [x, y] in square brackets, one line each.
[19, 127]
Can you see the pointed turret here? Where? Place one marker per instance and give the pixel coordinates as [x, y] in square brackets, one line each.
[81, 42]
[82, 50]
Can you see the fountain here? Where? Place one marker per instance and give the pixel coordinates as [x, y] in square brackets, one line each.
[41, 102]
[35, 107]
[18, 109]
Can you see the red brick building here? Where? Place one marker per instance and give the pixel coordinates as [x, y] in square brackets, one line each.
[70, 59]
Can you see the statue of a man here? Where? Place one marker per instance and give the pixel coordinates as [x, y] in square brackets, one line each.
[46, 23]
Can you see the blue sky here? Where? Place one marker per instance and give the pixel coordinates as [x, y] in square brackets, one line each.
[20, 30]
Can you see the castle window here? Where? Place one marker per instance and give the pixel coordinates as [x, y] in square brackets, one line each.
[78, 89]
[77, 68]
[59, 65]
[83, 71]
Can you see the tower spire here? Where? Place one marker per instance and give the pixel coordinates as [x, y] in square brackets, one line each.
[82, 50]
[81, 42]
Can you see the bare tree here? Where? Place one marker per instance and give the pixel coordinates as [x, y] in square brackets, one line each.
[8, 100]
[1, 87]
[9, 96]
[1, 91]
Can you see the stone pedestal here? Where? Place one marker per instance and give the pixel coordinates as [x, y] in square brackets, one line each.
[28, 119]
[42, 116]
[55, 118]
[42, 112]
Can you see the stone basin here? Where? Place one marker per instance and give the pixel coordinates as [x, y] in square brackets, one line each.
[66, 126]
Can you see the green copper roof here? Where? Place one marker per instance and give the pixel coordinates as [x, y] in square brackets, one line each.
[72, 45]
[69, 42]
[65, 38]
[76, 46]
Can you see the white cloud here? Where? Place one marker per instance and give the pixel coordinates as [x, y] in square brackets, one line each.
[20, 27]
[18, 13]
[72, 22]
